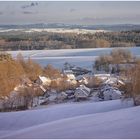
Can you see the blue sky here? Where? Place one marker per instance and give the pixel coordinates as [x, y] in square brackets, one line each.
[72, 12]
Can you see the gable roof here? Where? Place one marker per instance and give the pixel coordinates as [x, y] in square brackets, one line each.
[44, 79]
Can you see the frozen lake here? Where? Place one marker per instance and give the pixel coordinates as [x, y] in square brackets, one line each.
[79, 57]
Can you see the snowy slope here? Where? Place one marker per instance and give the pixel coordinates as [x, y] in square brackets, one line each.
[123, 123]
[11, 122]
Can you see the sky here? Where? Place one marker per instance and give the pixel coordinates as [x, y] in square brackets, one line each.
[70, 12]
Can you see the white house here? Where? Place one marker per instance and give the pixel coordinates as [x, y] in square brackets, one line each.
[42, 80]
[70, 76]
[108, 92]
[83, 79]
[71, 79]
[82, 92]
[102, 76]
[114, 81]
[112, 94]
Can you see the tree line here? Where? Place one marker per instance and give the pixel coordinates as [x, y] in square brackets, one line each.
[46, 40]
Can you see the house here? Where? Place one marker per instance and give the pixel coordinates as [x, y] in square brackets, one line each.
[111, 94]
[82, 79]
[72, 69]
[107, 92]
[114, 81]
[67, 71]
[102, 76]
[71, 79]
[70, 76]
[82, 92]
[57, 80]
[80, 71]
[42, 80]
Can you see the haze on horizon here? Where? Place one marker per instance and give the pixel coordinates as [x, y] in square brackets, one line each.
[70, 12]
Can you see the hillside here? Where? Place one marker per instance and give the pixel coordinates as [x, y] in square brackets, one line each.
[42, 38]
[108, 119]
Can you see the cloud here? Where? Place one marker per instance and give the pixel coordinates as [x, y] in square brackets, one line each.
[109, 19]
[72, 10]
[12, 13]
[34, 4]
[1, 13]
[88, 19]
[28, 12]
[30, 5]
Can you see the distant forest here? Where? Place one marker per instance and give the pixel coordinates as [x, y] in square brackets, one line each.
[16, 40]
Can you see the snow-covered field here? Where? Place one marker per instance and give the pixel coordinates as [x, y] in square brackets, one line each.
[54, 30]
[108, 119]
[79, 57]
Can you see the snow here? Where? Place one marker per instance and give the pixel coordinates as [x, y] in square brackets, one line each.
[54, 30]
[113, 80]
[102, 76]
[9, 30]
[44, 80]
[80, 57]
[73, 120]
[115, 124]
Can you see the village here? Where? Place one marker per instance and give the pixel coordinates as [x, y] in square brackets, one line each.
[111, 78]
[79, 84]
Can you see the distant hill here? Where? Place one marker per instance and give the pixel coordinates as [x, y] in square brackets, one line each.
[117, 27]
